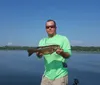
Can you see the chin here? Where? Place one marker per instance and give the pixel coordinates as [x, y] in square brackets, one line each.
[50, 33]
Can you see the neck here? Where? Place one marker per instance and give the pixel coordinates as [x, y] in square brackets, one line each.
[51, 35]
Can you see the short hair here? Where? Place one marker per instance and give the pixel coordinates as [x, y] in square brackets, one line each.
[52, 21]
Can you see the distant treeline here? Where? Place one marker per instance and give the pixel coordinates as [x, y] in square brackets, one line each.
[74, 48]
[14, 48]
[81, 48]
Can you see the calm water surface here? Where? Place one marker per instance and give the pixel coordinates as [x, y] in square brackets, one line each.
[16, 68]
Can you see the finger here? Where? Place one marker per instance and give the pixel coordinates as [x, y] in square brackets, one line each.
[40, 53]
[59, 49]
[37, 52]
[58, 52]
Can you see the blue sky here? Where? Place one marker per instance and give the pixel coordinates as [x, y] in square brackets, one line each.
[22, 22]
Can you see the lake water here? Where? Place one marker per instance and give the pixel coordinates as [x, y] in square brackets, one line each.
[16, 68]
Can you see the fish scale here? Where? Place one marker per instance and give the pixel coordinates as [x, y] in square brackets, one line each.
[43, 49]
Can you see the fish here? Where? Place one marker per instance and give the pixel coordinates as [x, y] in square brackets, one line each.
[49, 49]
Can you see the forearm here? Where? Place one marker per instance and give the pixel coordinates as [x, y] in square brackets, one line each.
[65, 54]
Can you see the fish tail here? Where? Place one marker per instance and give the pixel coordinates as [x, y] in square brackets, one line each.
[30, 52]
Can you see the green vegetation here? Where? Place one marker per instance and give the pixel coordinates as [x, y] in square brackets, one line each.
[74, 48]
[81, 48]
[14, 48]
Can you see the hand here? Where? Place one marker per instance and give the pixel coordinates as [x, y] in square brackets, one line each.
[39, 54]
[59, 51]
[62, 53]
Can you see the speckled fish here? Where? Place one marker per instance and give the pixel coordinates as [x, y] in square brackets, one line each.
[43, 49]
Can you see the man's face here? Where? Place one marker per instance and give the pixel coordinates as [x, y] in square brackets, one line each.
[50, 28]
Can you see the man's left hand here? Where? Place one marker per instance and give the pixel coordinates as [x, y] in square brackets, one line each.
[59, 51]
[62, 53]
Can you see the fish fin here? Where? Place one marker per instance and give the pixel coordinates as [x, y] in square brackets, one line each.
[30, 52]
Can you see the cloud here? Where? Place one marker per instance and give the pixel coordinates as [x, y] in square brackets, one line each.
[76, 42]
[9, 43]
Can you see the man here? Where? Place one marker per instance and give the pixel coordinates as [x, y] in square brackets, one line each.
[56, 71]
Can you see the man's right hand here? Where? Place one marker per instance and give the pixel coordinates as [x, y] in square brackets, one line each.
[39, 54]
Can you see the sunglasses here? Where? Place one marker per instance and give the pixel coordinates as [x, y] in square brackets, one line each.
[53, 26]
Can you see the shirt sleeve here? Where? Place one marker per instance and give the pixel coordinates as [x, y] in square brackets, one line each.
[66, 45]
[41, 42]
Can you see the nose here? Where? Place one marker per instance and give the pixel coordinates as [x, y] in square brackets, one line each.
[49, 28]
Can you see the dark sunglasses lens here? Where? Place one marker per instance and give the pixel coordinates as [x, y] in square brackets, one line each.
[47, 27]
